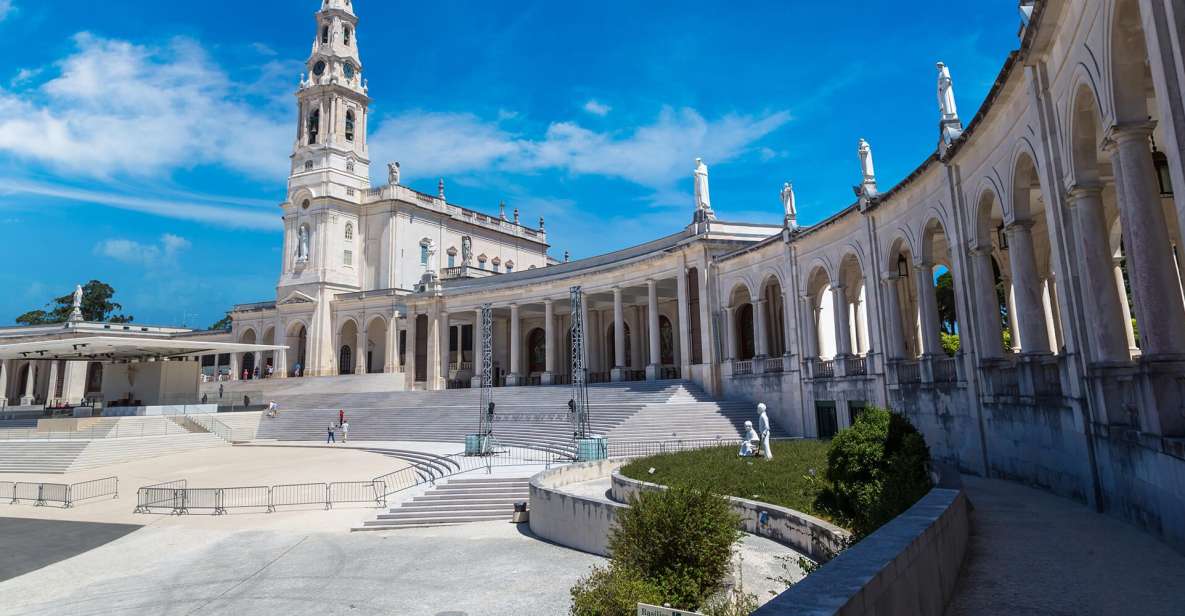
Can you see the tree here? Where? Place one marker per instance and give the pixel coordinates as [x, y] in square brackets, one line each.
[223, 323]
[96, 307]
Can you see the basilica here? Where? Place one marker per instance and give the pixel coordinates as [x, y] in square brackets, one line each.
[1051, 213]
[1018, 296]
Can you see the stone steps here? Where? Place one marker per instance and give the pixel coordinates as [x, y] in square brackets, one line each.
[455, 502]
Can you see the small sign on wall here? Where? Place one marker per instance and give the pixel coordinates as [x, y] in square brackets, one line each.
[654, 610]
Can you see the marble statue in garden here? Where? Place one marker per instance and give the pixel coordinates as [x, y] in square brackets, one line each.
[749, 441]
[763, 430]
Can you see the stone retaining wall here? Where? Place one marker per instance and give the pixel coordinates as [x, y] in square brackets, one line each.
[571, 520]
[908, 566]
[805, 534]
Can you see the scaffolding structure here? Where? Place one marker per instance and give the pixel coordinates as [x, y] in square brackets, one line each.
[483, 442]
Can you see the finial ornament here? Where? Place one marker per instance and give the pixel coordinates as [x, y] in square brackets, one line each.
[502, 210]
[541, 223]
[789, 208]
[867, 188]
[516, 216]
[440, 189]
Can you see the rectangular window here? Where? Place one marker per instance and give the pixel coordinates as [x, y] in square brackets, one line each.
[452, 260]
[825, 420]
[348, 258]
[496, 266]
[509, 268]
[423, 255]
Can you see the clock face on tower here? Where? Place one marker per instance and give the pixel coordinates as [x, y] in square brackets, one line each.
[319, 68]
[349, 70]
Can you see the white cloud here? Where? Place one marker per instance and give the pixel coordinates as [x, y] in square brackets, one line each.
[117, 108]
[150, 255]
[7, 9]
[25, 75]
[263, 49]
[597, 109]
[207, 209]
[656, 155]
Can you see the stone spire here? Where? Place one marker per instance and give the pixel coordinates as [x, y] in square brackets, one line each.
[502, 210]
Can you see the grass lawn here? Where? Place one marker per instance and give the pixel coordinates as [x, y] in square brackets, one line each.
[782, 481]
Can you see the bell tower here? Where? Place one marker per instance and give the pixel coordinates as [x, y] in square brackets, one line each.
[330, 150]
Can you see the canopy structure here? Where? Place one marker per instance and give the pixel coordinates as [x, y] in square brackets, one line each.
[114, 349]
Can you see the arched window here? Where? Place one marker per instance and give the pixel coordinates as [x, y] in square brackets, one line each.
[349, 231]
[308, 165]
[324, 35]
[314, 125]
[666, 338]
[346, 36]
[349, 166]
[350, 125]
[345, 364]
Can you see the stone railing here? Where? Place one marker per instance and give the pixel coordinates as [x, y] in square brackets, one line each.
[945, 370]
[908, 566]
[822, 369]
[909, 372]
[741, 367]
[855, 365]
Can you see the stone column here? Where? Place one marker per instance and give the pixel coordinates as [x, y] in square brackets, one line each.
[1026, 287]
[548, 341]
[391, 346]
[618, 336]
[654, 370]
[707, 350]
[684, 324]
[234, 367]
[1106, 311]
[516, 370]
[217, 366]
[1010, 302]
[1159, 309]
[760, 326]
[52, 383]
[409, 368]
[444, 332]
[1048, 308]
[927, 310]
[360, 351]
[730, 324]
[791, 329]
[843, 337]
[27, 398]
[861, 326]
[4, 383]
[984, 295]
[279, 356]
[1124, 311]
[636, 335]
[895, 336]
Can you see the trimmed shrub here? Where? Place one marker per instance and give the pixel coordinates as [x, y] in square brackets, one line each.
[877, 469]
[679, 539]
[612, 591]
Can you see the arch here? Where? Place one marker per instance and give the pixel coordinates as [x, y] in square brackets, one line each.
[346, 32]
[347, 342]
[740, 294]
[376, 343]
[349, 231]
[666, 340]
[297, 334]
[247, 335]
[774, 313]
[349, 125]
[536, 351]
[902, 242]
[1024, 180]
[94, 377]
[324, 35]
[314, 126]
[851, 279]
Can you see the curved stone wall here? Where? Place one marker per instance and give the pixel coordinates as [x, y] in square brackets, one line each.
[805, 534]
[573, 520]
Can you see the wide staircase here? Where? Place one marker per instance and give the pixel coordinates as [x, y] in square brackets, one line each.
[534, 417]
[455, 502]
[41, 456]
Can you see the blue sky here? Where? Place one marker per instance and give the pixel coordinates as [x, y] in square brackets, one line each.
[146, 144]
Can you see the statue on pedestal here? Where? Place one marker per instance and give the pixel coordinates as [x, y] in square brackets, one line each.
[946, 94]
[76, 310]
[466, 250]
[703, 201]
[393, 173]
[302, 244]
[789, 207]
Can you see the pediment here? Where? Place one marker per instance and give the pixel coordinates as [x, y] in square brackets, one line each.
[296, 297]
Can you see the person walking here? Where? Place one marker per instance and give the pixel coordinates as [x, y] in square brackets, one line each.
[341, 416]
[329, 439]
[345, 431]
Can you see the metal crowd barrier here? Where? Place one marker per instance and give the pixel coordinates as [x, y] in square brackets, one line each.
[181, 500]
[41, 494]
